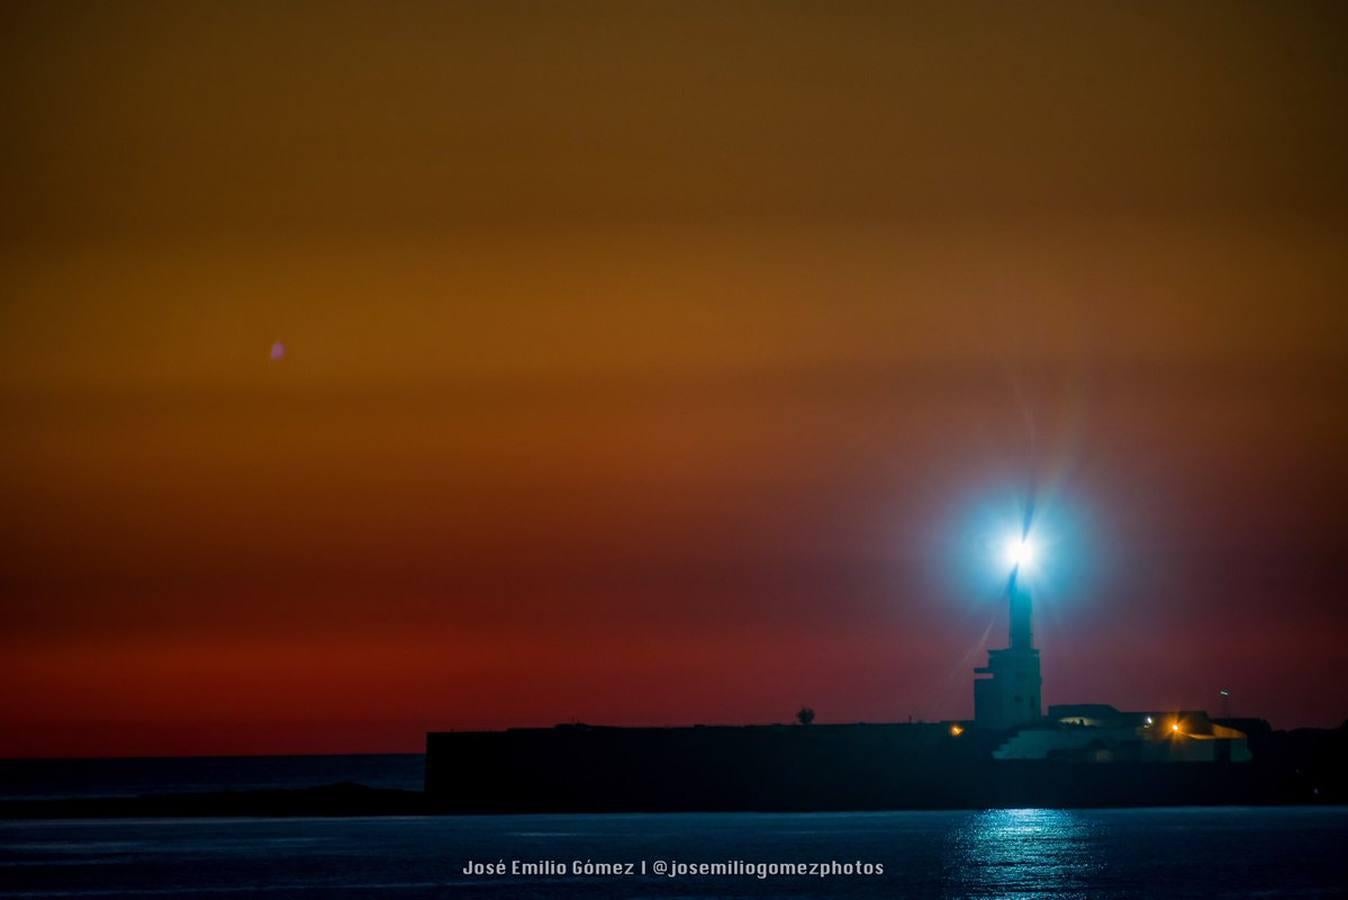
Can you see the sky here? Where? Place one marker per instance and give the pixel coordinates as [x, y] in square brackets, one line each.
[662, 363]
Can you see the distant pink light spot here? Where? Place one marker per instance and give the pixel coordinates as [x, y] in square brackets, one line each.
[278, 351]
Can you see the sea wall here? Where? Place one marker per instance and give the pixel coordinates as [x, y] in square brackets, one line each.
[816, 767]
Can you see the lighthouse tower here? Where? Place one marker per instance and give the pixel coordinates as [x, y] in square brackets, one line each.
[1011, 695]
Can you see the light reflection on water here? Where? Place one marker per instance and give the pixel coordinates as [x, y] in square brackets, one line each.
[1025, 852]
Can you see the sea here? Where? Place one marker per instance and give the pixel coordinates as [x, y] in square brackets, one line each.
[1167, 852]
[131, 777]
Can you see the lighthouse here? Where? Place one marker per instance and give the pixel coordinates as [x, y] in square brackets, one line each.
[1007, 689]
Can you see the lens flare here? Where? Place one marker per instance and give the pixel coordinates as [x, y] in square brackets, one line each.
[1019, 553]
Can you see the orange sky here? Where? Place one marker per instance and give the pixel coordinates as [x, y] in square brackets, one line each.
[643, 361]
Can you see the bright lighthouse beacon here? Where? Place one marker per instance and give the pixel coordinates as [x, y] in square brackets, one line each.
[1011, 695]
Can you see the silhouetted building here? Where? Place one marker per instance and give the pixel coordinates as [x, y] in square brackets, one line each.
[1011, 696]
[1079, 755]
[1099, 733]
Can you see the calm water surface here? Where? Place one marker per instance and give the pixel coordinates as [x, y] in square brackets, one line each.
[1237, 852]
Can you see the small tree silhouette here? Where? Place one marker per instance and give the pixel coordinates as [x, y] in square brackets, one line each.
[805, 716]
